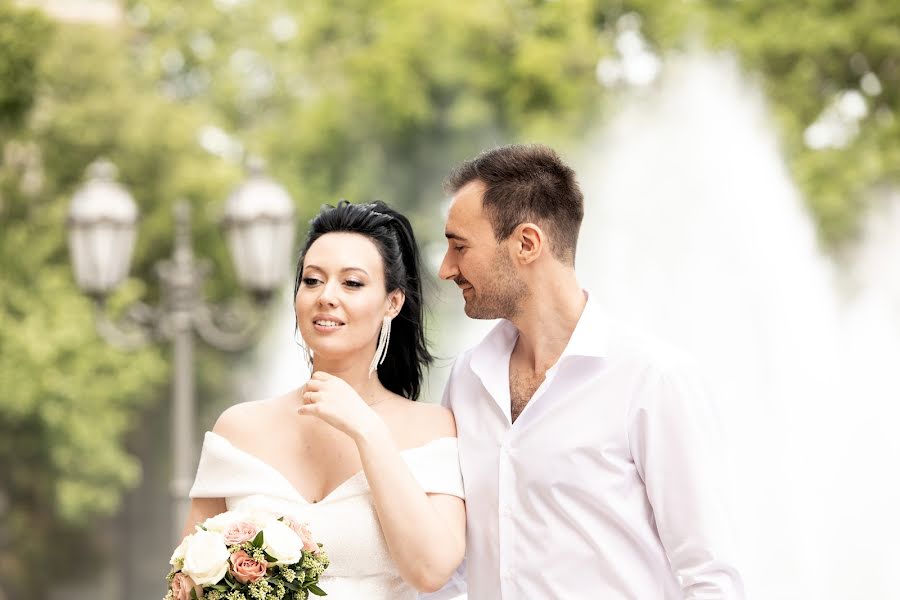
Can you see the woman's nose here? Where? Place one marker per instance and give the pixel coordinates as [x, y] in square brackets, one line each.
[328, 297]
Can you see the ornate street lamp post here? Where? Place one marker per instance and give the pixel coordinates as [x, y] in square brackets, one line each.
[259, 227]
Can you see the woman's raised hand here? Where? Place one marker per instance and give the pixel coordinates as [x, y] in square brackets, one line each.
[333, 400]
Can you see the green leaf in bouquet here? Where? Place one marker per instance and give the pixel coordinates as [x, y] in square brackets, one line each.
[194, 594]
[258, 540]
[231, 582]
[291, 585]
[269, 558]
[316, 590]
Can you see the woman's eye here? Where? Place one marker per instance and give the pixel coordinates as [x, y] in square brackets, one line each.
[310, 281]
[355, 284]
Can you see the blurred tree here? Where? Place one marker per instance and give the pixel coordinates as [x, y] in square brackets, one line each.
[831, 70]
[69, 400]
[376, 99]
[351, 98]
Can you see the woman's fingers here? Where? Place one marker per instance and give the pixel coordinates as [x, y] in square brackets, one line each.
[309, 409]
[311, 397]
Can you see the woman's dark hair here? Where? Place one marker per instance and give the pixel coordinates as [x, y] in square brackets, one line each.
[392, 234]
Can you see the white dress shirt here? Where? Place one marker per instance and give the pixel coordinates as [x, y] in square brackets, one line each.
[608, 484]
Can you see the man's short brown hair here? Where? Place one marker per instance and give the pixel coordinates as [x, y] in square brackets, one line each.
[526, 183]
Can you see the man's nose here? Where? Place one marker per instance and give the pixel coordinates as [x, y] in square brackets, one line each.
[448, 268]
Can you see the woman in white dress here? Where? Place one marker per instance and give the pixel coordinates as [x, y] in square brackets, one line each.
[373, 473]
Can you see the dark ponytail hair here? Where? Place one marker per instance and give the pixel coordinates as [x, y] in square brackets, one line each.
[392, 234]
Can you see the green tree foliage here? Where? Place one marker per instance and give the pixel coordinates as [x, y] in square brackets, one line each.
[22, 35]
[810, 54]
[345, 98]
[367, 99]
[70, 400]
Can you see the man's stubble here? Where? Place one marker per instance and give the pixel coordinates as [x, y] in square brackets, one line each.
[502, 293]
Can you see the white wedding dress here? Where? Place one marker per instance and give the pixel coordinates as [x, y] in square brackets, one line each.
[344, 520]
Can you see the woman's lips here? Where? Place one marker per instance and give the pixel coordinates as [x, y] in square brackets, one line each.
[326, 325]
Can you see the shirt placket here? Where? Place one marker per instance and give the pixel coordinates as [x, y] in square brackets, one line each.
[505, 513]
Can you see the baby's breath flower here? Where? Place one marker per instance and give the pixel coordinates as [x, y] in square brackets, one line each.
[258, 554]
[314, 571]
[259, 590]
[280, 591]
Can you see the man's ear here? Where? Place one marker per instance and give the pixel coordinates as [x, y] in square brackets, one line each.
[395, 302]
[530, 241]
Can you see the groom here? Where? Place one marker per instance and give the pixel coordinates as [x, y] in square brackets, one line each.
[589, 452]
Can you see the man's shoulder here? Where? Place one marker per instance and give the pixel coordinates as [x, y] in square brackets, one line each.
[648, 351]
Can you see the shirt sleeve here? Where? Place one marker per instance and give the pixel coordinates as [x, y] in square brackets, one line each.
[678, 449]
[447, 398]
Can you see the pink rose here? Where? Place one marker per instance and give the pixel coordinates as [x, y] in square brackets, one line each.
[182, 585]
[245, 569]
[239, 532]
[300, 529]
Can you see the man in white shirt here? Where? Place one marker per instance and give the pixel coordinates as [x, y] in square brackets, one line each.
[589, 453]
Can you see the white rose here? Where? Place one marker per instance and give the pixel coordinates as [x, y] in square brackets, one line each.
[281, 542]
[260, 518]
[180, 550]
[220, 522]
[206, 558]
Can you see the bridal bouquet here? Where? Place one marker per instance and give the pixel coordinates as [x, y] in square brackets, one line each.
[240, 556]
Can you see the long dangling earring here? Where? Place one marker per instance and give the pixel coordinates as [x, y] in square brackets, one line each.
[381, 350]
[307, 351]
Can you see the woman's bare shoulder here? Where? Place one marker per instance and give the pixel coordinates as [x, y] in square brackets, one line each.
[421, 422]
[244, 421]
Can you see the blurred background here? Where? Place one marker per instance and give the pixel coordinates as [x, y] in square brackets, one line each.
[741, 164]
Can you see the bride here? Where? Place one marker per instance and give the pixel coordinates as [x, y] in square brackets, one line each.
[373, 473]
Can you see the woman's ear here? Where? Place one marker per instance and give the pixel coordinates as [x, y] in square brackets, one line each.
[395, 302]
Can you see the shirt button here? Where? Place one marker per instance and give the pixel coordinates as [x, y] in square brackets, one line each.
[506, 510]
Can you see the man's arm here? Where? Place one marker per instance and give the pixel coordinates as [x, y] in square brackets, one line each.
[678, 449]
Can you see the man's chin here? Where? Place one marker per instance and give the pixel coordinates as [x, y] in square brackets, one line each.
[474, 312]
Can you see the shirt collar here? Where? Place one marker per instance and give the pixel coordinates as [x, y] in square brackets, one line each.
[490, 358]
[591, 335]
